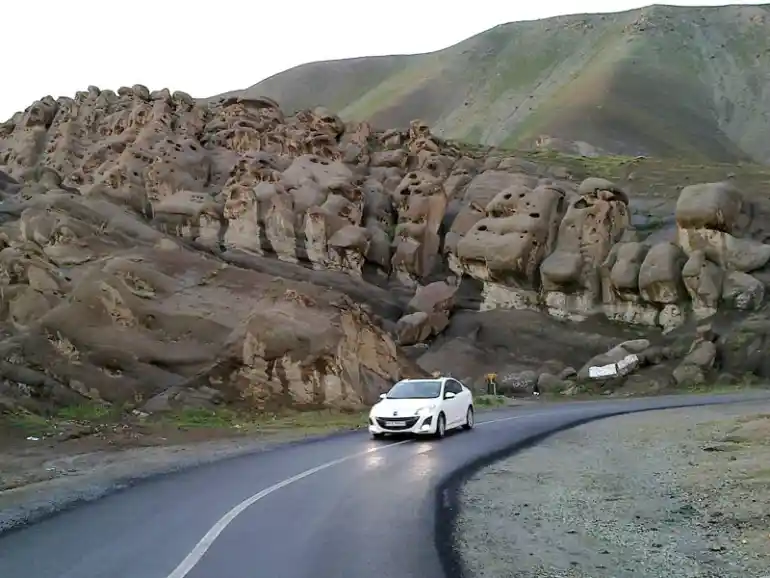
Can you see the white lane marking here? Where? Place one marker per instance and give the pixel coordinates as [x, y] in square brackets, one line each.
[192, 559]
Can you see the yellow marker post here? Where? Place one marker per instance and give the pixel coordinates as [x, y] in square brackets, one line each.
[492, 383]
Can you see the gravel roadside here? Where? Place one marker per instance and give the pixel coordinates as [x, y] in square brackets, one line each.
[679, 493]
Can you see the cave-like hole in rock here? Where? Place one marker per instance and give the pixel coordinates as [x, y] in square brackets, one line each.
[535, 215]
[483, 228]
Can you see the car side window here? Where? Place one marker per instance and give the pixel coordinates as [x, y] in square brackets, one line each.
[453, 386]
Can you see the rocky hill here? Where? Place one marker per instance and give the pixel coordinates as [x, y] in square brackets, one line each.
[158, 251]
[660, 81]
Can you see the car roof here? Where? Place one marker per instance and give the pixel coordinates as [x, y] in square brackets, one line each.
[442, 378]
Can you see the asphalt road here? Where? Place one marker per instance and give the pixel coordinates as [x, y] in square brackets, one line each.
[342, 507]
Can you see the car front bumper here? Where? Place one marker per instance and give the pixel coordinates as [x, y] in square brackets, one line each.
[409, 425]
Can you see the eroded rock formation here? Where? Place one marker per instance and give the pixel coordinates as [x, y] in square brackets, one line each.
[118, 206]
[571, 251]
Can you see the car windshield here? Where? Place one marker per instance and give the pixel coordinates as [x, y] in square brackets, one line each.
[415, 389]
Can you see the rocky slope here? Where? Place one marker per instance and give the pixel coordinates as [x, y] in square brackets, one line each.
[661, 80]
[158, 251]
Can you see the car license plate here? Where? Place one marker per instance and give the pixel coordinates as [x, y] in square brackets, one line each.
[393, 423]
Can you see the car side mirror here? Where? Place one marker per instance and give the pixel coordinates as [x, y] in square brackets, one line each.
[383, 395]
[449, 395]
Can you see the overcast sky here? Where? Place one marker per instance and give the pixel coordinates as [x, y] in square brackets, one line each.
[59, 47]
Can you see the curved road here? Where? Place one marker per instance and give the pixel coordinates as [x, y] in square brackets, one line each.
[342, 507]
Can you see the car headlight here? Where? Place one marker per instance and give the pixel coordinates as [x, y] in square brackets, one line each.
[425, 411]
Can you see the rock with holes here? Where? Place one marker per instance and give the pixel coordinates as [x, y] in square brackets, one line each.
[478, 193]
[121, 208]
[334, 237]
[197, 216]
[593, 223]
[420, 202]
[506, 248]
[245, 208]
[97, 292]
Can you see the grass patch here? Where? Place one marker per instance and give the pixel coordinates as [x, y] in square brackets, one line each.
[216, 421]
[88, 412]
[643, 177]
[28, 424]
[31, 424]
[318, 419]
[223, 418]
[490, 400]
[202, 418]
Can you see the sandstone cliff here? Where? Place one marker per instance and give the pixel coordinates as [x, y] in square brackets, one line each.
[158, 250]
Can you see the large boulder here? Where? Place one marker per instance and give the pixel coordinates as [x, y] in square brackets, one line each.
[712, 218]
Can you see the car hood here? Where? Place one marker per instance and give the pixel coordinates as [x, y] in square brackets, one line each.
[404, 407]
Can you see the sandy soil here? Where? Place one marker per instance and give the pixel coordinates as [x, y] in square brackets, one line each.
[676, 493]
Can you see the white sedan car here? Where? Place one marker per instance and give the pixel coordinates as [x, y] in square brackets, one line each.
[422, 406]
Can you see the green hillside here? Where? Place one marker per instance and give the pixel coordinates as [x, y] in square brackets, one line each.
[662, 80]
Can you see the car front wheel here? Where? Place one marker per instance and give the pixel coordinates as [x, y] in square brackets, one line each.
[378, 436]
[440, 426]
[469, 418]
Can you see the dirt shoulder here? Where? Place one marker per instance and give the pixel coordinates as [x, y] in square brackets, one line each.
[82, 454]
[682, 493]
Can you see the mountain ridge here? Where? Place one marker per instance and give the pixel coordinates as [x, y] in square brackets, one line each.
[660, 81]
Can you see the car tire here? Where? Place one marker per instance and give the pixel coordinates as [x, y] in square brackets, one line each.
[440, 427]
[470, 419]
[378, 436]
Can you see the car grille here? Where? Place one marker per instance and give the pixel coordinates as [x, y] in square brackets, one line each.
[403, 422]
